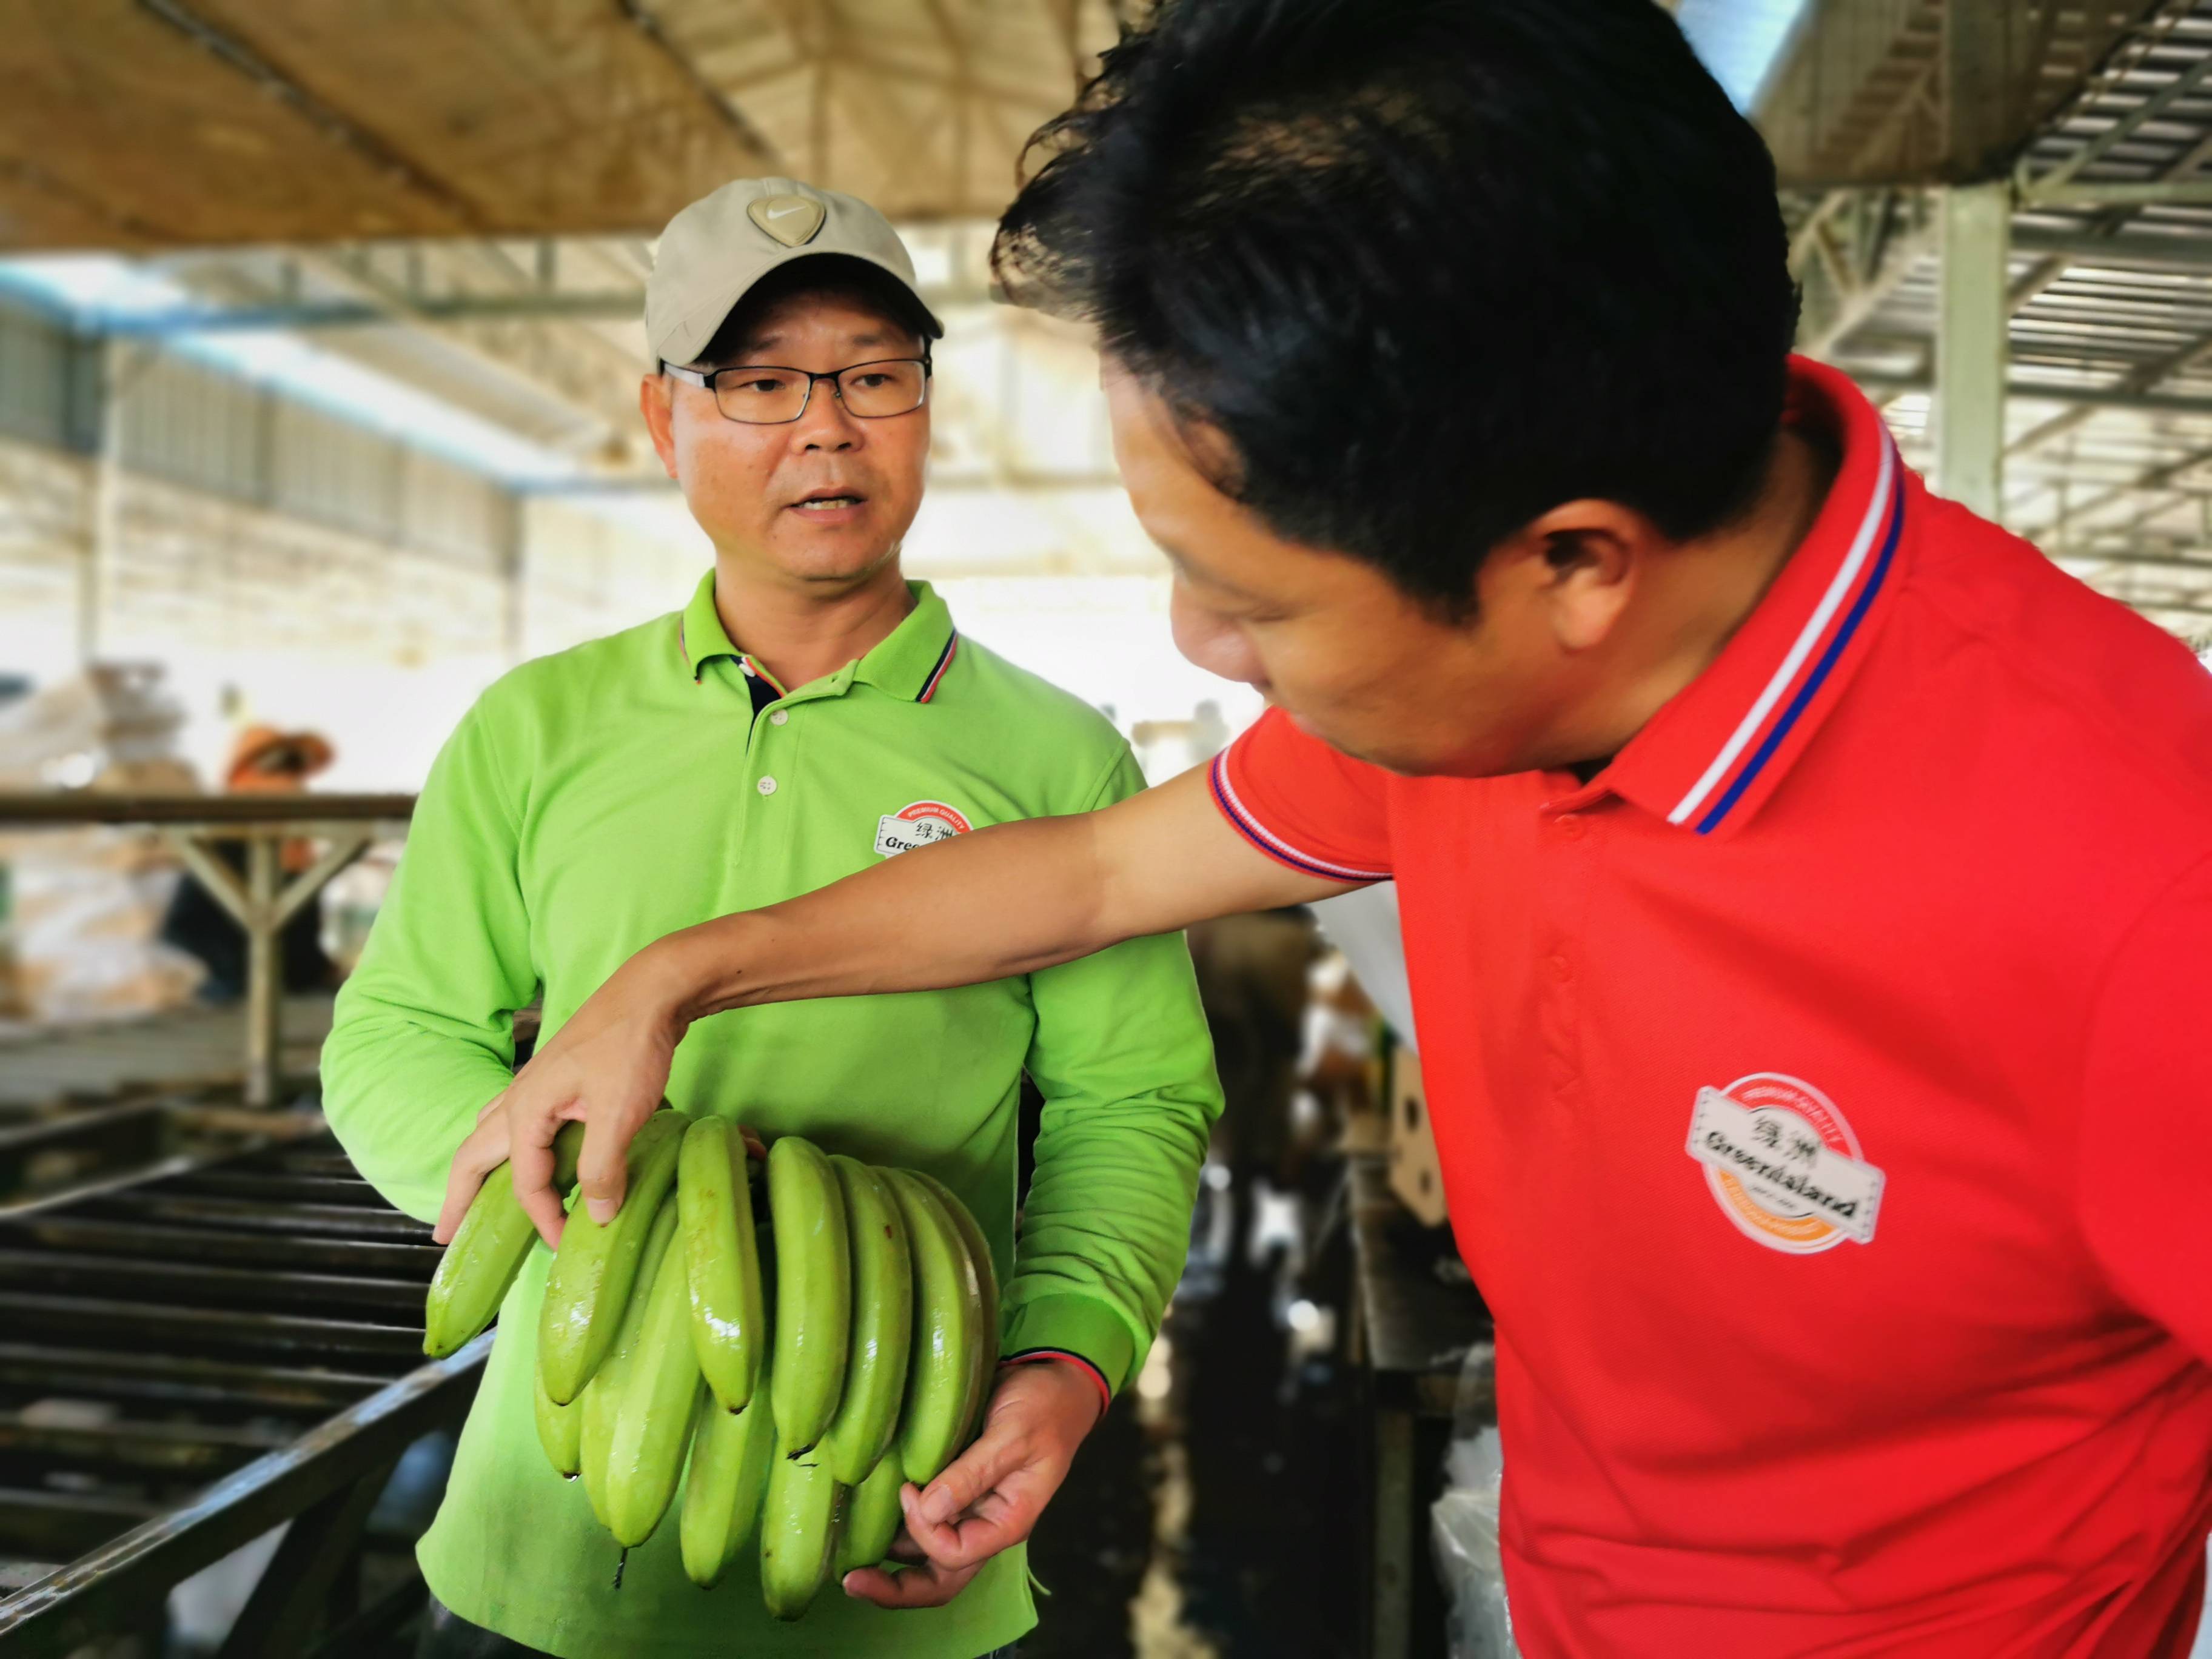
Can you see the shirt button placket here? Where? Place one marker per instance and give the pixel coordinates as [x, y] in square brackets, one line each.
[1566, 896]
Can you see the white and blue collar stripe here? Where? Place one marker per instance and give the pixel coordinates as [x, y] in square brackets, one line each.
[1811, 659]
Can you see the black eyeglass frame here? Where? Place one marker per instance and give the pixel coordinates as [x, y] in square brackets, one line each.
[705, 378]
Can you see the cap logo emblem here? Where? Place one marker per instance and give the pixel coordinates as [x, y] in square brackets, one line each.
[794, 220]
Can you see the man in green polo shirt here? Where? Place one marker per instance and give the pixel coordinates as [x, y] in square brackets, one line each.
[808, 713]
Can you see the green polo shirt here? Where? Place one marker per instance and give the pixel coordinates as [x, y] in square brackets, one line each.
[592, 802]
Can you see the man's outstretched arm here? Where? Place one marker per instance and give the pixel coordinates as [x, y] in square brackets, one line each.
[1012, 899]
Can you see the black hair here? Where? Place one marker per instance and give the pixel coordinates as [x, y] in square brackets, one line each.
[1433, 267]
[838, 275]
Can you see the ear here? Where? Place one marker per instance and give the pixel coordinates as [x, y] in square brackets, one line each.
[1578, 565]
[656, 401]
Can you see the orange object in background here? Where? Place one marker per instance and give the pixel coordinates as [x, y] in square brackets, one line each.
[264, 760]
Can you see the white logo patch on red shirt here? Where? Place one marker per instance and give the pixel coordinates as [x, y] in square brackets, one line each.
[1783, 1166]
[917, 825]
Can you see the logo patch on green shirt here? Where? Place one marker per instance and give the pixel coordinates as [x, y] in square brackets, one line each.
[917, 825]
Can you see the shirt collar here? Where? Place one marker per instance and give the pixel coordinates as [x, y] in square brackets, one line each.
[910, 662]
[914, 658]
[700, 636]
[1711, 757]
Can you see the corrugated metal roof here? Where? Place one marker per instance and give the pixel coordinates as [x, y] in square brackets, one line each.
[2108, 461]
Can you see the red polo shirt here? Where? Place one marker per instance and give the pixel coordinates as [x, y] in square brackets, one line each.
[1824, 1095]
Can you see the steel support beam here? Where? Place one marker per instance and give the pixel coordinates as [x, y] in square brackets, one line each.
[2095, 399]
[2054, 187]
[2126, 192]
[1977, 101]
[2134, 249]
[1970, 345]
[1849, 255]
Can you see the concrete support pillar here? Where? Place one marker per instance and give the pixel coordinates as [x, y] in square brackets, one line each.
[1970, 345]
[103, 520]
[514, 571]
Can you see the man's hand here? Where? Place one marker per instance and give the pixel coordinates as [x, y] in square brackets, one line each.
[606, 1068]
[485, 1150]
[992, 1494]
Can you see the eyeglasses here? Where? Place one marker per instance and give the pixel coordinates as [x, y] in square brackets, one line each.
[768, 394]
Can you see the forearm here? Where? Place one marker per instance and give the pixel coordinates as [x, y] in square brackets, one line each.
[1016, 898]
[988, 905]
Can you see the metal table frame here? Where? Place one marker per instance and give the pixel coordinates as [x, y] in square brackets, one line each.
[311, 1343]
[264, 902]
[325, 1483]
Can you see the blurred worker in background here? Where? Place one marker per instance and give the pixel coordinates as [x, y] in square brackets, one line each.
[1252, 981]
[263, 761]
[808, 713]
[1804, 883]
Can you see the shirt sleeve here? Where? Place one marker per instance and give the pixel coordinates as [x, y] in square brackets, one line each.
[1122, 1056]
[423, 1033]
[1304, 804]
[2145, 1170]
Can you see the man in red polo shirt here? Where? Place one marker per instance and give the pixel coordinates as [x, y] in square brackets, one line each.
[1806, 886]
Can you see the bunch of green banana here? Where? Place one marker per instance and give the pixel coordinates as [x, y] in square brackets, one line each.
[729, 1318]
[809, 1363]
[588, 1288]
[489, 1249]
[813, 1290]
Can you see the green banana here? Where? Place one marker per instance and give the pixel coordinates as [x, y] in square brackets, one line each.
[729, 1325]
[603, 1397]
[730, 1455]
[813, 1290]
[589, 1285]
[799, 1528]
[652, 1427]
[488, 1248]
[948, 1333]
[986, 1278]
[872, 1515]
[883, 1324]
[560, 1431]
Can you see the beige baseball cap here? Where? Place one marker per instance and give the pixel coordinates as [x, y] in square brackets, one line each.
[715, 251]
